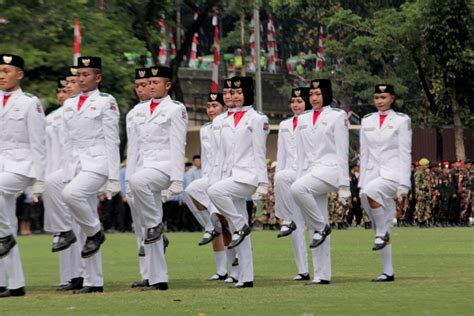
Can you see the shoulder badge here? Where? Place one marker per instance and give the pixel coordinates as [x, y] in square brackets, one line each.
[337, 109]
[367, 115]
[261, 113]
[103, 94]
[72, 96]
[401, 114]
[206, 124]
[29, 94]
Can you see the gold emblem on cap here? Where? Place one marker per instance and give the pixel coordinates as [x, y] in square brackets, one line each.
[237, 83]
[141, 73]
[63, 82]
[229, 83]
[7, 59]
[213, 96]
[315, 84]
[382, 88]
[154, 71]
[86, 62]
[297, 93]
[73, 71]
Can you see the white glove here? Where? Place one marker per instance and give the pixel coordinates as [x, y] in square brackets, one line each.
[176, 187]
[165, 195]
[344, 194]
[402, 191]
[261, 191]
[112, 187]
[36, 190]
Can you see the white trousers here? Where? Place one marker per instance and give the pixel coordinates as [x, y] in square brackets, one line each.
[57, 216]
[11, 269]
[71, 264]
[146, 186]
[287, 210]
[81, 196]
[229, 198]
[311, 195]
[140, 231]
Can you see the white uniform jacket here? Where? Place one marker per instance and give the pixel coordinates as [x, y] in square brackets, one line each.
[92, 135]
[215, 171]
[242, 148]
[208, 151]
[323, 149]
[385, 151]
[286, 151]
[22, 135]
[134, 159]
[54, 141]
[161, 136]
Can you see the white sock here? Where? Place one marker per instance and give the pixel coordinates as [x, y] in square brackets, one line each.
[234, 271]
[379, 218]
[386, 259]
[220, 258]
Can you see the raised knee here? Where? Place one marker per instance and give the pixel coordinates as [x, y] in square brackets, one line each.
[296, 189]
[69, 194]
[136, 183]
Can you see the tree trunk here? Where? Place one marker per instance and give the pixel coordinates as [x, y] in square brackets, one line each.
[424, 82]
[458, 126]
[242, 40]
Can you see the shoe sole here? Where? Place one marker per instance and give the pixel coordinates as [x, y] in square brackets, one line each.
[64, 247]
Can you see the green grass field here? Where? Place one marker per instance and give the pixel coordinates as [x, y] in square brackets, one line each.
[434, 276]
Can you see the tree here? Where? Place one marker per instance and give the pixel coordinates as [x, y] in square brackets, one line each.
[446, 31]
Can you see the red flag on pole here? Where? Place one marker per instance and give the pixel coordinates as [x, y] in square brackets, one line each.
[320, 60]
[163, 54]
[192, 57]
[271, 44]
[252, 65]
[77, 40]
[216, 53]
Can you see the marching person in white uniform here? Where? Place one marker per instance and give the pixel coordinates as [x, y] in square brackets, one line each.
[322, 145]
[286, 208]
[195, 194]
[57, 216]
[242, 153]
[92, 160]
[385, 161]
[160, 126]
[22, 163]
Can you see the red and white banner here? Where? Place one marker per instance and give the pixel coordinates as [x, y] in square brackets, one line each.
[271, 44]
[320, 59]
[216, 53]
[172, 44]
[163, 54]
[192, 57]
[77, 40]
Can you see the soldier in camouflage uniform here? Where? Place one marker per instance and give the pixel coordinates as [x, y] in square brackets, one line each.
[423, 182]
[465, 188]
[332, 201]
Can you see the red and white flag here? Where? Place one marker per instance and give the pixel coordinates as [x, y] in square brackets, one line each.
[216, 53]
[192, 57]
[172, 44]
[320, 59]
[77, 40]
[271, 44]
[252, 65]
[163, 54]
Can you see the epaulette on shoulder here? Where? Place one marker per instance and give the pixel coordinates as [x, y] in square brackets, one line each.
[103, 94]
[206, 124]
[338, 109]
[72, 96]
[177, 102]
[29, 94]
[261, 113]
[220, 114]
[143, 101]
[367, 115]
[402, 114]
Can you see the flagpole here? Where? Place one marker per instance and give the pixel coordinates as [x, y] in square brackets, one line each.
[258, 73]
[77, 41]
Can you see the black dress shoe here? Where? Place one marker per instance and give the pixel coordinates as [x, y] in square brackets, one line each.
[231, 279]
[141, 251]
[15, 292]
[218, 277]
[318, 282]
[166, 242]
[160, 286]
[141, 283]
[317, 242]
[291, 227]
[301, 277]
[6, 244]
[63, 240]
[73, 284]
[243, 285]
[245, 231]
[386, 241]
[89, 289]
[212, 235]
[235, 263]
[154, 234]
[2, 289]
[384, 278]
[92, 245]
